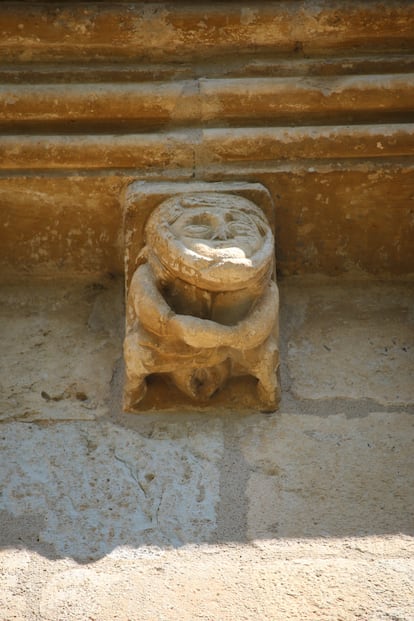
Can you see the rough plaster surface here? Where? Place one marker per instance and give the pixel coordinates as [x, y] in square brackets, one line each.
[302, 514]
[53, 341]
[351, 345]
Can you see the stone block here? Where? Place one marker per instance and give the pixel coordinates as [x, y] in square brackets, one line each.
[360, 343]
[336, 476]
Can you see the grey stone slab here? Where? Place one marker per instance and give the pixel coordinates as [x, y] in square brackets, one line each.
[330, 477]
[353, 341]
[82, 490]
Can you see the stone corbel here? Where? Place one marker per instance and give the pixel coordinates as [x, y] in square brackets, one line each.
[201, 297]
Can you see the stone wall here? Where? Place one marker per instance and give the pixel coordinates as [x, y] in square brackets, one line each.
[313, 100]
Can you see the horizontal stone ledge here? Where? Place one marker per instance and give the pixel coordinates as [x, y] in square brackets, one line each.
[59, 31]
[272, 144]
[235, 101]
[254, 65]
[144, 103]
[141, 151]
[186, 150]
[333, 98]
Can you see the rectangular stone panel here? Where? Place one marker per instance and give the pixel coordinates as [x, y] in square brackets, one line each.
[344, 217]
[51, 225]
[208, 149]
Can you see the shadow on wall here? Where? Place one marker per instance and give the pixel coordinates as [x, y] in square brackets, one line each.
[86, 490]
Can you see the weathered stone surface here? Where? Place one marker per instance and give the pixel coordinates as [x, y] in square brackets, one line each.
[305, 467]
[93, 98]
[340, 218]
[148, 104]
[276, 144]
[183, 150]
[202, 305]
[216, 584]
[373, 63]
[219, 585]
[301, 515]
[41, 328]
[143, 152]
[52, 225]
[160, 31]
[97, 488]
[67, 224]
[236, 101]
[277, 100]
[358, 345]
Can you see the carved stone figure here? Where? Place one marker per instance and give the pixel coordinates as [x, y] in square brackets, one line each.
[202, 305]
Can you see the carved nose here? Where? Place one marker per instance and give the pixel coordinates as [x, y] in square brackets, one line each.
[221, 233]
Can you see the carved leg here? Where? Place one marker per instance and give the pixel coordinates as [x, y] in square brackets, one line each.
[268, 391]
[262, 363]
[135, 390]
[266, 372]
[137, 363]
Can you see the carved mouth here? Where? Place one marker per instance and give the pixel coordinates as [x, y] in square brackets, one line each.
[218, 249]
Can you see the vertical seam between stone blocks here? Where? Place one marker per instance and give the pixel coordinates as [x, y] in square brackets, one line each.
[232, 511]
[198, 136]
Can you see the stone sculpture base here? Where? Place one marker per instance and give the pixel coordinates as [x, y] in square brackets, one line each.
[239, 395]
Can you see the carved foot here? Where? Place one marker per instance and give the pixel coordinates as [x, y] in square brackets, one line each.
[269, 396]
[134, 393]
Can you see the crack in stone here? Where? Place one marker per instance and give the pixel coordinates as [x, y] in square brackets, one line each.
[158, 511]
[132, 472]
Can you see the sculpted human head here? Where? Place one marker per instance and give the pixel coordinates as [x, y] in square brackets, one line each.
[216, 241]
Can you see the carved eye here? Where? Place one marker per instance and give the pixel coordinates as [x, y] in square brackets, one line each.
[200, 231]
[239, 228]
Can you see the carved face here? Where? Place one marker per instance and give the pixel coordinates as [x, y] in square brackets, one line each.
[225, 233]
[214, 241]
